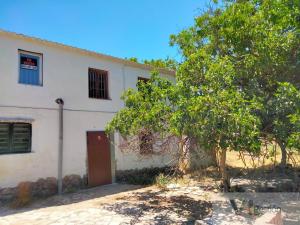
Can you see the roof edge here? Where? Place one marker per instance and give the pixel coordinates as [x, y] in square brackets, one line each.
[84, 51]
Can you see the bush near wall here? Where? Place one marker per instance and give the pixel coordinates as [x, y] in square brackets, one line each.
[146, 176]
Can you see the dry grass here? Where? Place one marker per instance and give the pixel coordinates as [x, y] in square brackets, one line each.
[234, 160]
[256, 169]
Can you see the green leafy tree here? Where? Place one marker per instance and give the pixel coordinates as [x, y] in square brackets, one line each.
[167, 63]
[294, 140]
[133, 59]
[262, 41]
[217, 114]
[284, 117]
[162, 63]
[151, 107]
[233, 87]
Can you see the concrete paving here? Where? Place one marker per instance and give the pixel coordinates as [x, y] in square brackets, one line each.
[128, 204]
[224, 214]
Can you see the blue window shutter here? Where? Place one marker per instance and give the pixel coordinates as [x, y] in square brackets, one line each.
[30, 74]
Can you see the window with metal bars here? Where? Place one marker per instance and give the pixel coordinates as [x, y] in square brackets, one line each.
[98, 84]
[143, 79]
[15, 138]
[145, 137]
[146, 142]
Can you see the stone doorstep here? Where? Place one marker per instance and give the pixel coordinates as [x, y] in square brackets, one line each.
[270, 218]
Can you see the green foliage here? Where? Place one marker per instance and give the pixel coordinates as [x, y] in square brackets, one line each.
[261, 42]
[167, 63]
[133, 59]
[260, 38]
[223, 114]
[286, 105]
[148, 107]
[146, 176]
[294, 138]
[239, 81]
[162, 63]
[162, 180]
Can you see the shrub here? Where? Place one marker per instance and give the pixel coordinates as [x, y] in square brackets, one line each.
[163, 180]
[146, 176]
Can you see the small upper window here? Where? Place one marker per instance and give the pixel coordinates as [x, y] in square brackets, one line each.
[143, 79]
[30, 67]
[98, 84]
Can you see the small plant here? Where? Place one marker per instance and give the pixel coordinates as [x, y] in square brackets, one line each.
[162, 180]
[144, 176]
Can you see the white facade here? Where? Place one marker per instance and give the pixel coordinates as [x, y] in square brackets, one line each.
[65, 75]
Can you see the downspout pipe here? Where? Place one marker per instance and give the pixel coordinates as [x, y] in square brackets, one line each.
[123, 80]
[60, 103]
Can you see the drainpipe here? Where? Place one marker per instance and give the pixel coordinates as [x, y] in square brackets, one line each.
[123, 79]
[60, 103]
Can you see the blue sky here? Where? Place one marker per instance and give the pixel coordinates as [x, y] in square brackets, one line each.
[128, 28]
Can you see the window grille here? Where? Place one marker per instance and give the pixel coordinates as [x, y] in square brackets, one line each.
[98, 84]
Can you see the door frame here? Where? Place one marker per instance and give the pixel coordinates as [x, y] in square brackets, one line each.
[111, 140]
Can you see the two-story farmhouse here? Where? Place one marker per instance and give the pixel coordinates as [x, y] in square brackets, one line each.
[55, 101]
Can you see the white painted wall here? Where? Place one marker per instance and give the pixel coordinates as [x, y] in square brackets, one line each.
[65, 75]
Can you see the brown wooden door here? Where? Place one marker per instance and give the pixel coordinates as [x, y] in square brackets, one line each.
[99, 162]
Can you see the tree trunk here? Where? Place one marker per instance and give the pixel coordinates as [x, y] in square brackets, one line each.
[283, 154]
[224, 174]
[214, 159]
[182, 156]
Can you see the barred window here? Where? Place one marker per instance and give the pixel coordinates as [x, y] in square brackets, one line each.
[98, 84]
[145, 137]
[143, 79]
[146, 142]
[15, 138]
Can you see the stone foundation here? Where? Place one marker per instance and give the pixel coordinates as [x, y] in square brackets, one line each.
[43, 187]
[8, 194]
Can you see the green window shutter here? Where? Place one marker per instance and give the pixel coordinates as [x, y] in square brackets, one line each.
[21, 137]
[4, 138]
[15, 138]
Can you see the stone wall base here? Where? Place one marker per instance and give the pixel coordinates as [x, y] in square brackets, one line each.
[43, 187]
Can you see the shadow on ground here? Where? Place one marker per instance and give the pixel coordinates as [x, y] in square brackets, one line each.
[260, 179]
[71, 198]
[156, 207]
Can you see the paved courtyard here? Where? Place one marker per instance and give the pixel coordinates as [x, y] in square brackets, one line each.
[127, 204]
[111, 205]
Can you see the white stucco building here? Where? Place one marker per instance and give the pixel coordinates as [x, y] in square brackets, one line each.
[33, 74]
